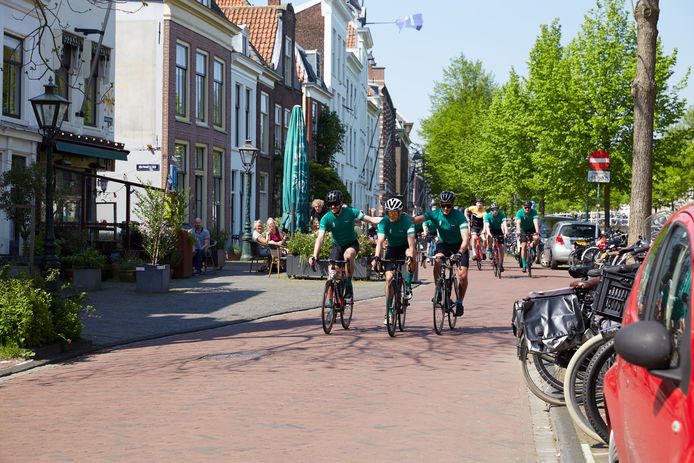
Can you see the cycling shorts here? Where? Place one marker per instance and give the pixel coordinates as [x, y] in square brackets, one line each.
[476, 229]
[448, 249]
[496, 232]
[394, 252]
[524, 234]
[338, 252]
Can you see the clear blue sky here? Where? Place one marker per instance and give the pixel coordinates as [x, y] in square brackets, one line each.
[499, 33]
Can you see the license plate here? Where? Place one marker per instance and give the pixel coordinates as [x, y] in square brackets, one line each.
[581, 242]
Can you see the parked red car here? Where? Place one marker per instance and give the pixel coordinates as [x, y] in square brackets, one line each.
[649, 391]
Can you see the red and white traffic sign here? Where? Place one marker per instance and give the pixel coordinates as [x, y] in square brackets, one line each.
[599, 160]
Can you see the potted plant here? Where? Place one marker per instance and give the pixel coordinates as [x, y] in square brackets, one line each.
[86, 269]
[161, 214]
[125, 266]
[219, 253]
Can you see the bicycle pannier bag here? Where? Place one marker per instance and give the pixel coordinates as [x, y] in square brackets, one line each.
[552, 321]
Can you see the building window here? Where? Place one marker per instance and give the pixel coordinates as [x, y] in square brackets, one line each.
[181, 80]
[237, 115]
[264, 123]
[204, 2]
[199, 187]
[200, 87]
[218, 94]
[69, 61]
[262, 192]
[288, 53]
[181, 158]
[287, 114]
[232, 202]
[278, 130]
[12, 77]
[91, 87]
[217, 193]
[314, 117]
[248, 114]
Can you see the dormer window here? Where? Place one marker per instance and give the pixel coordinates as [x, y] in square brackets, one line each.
[244, 45]
[204, 2]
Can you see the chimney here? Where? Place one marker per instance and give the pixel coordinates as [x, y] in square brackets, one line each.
[377, 74]
[274, 3]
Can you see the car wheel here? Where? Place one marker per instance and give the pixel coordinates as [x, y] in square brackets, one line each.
[553, 264]
[546, 258]
[612, 455]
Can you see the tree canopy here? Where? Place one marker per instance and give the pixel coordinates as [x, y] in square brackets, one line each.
[529, 138]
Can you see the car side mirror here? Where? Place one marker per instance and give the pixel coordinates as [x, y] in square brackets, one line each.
[646, 344]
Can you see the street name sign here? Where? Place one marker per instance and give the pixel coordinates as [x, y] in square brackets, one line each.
[147, 167]
[599, 176]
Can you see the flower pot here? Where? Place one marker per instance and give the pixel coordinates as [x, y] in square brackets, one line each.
[152, 278]
[86, 279]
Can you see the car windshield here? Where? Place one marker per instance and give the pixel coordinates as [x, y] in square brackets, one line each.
[579, 231]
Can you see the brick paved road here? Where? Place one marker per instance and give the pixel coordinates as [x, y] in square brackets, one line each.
[290, 393]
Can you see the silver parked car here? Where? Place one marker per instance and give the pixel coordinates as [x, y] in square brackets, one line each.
[562, 238]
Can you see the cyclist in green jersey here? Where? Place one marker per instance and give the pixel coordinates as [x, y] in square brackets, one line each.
[399, 230]
[527, 223]
[452, 228]
[495, 229]
[339, 221]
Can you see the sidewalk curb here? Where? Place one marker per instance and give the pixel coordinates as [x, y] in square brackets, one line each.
[570, 450]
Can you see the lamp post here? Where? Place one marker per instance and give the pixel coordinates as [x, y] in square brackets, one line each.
[248, 153]
[50, 110]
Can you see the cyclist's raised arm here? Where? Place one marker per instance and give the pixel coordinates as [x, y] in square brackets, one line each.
[370, 219]
[412, 244]
[420, 219]
[319, 241]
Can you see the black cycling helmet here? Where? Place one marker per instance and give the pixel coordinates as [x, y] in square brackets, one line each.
[479, 200]
[446, 197]
[334, 197]
[493, 207]
[393, 204]
[527, 203]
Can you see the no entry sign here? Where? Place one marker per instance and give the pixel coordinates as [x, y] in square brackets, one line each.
[599, 160]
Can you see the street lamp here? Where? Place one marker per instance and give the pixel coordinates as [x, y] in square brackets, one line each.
[248, 154]
[50, 110]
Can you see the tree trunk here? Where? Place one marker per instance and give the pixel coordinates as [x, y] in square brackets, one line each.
[643, 90]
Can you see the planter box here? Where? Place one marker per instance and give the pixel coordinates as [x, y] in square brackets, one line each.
[218, 257]
[299, 268]
[126, 275]
[152, 278]
[86, 279]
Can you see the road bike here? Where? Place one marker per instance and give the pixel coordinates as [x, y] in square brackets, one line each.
[334, 300]
[446, 285]
[477, 244]
[530, 254]
[396, 289]
[497, 255]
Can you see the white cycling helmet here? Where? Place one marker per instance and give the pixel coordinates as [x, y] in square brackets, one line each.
[393, 204]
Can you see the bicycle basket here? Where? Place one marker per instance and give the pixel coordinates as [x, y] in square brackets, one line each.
[553, 322]
[612, 294]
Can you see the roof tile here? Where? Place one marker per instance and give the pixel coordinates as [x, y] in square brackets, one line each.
[261, 21]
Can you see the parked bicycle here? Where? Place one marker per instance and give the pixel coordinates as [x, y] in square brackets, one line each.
[446, 285]
[396, 315]
[334, 300]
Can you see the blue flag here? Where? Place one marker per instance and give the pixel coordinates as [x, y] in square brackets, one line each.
[415, 21]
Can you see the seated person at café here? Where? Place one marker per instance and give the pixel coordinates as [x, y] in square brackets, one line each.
[274, 236]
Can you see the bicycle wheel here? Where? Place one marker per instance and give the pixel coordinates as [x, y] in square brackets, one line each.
[573, 384]
[499, 256]
[392, 314]
[452, 317]
[439, 305]
[536, 375]
[479, 257]
[328, 309]
[529, 258]
[590, 255]
[593, 388]
[402, 314]
[346, 313]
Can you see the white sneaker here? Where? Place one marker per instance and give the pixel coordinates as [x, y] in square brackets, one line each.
[385, 320]
[408, 292]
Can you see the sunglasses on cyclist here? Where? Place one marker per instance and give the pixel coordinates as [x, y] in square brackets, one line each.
[526, 207]
[333, 204]
[446, 206]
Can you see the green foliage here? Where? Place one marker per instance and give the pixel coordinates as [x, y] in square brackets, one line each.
[25, 317]
[324, 179]
[13, 351]
[530, 137]
[161, 213]
[329, 137]
[30, 316]
[87, 258]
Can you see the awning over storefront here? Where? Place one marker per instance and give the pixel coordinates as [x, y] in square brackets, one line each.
[91, 151]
